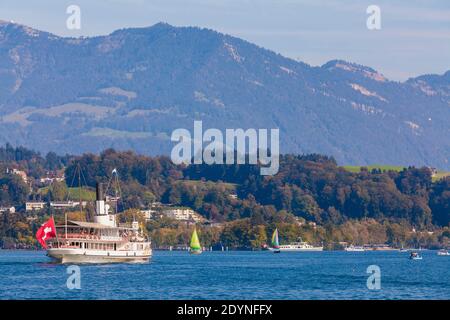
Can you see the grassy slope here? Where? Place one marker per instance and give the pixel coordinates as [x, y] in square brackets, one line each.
[74, 193]
[231, 187]
[439, 175]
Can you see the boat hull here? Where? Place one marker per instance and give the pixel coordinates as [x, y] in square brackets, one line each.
[300, 250]
[87, 256]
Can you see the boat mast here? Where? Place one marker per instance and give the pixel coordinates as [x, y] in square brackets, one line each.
[79, 187]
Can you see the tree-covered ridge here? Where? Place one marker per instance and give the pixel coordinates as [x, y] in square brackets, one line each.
[313, 187]
[311, 197]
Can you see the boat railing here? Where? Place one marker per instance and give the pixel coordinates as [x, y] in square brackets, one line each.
[111, 238]
[80, 236]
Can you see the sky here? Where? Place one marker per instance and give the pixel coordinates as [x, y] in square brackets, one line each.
[414, 38]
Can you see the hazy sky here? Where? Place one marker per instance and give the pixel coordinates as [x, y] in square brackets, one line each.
[414, 38]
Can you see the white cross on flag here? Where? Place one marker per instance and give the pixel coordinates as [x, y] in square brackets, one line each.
[45, 232]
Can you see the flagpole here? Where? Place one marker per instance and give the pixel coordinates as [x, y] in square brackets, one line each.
[56, 233]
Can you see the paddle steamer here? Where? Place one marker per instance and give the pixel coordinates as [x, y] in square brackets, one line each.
[100, 241]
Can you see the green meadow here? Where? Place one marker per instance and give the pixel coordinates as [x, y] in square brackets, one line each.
[439, 175]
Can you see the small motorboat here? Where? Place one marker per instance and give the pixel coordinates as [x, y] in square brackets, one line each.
[443, 253]
[415, 256]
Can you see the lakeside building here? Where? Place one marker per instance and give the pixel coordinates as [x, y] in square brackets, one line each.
[7, 209]
[155, 210]
[378, 247]
[183, 214]
[34, 205]
[52, 176]
[20, 173]
[149, 213]
[66, 204]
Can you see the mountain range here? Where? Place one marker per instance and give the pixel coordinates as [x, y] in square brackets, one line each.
[130, 89]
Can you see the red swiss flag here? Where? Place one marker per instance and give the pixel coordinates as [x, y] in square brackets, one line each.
[45, 232]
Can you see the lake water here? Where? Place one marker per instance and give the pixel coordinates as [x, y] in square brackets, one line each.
[231, 275]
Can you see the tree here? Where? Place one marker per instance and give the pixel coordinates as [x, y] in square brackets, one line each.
[58, 191]
[13, 190]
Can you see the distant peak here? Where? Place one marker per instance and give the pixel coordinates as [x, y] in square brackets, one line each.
[342, 64]
[11, 25]
[3, 22]
[156, 27]
[162, 24]
[354, 67]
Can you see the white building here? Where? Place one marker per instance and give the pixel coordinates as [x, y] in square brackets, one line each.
[183, 214]
[34, 205]
[52, 176]
[66, 204]
[7, 209]
[149, 213]
[20, 173]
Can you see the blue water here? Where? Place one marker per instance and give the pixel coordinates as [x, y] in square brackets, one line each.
[231, 275]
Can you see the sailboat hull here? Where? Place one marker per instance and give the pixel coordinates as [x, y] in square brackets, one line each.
[195, 251]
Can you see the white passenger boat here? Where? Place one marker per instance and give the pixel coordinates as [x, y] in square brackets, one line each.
[100, 241]
[353, 248]
[299, 247]
[443, 253]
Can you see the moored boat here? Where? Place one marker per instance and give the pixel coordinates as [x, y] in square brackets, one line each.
[353, 248]
[443, 253]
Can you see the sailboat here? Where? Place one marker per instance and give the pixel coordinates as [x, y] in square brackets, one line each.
[275, 242]
[195, 247]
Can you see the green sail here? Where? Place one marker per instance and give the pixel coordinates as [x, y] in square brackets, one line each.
[275, 242]
[195, 243]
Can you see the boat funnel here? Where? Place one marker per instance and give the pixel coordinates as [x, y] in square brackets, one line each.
[102, 215]
[99, 191]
